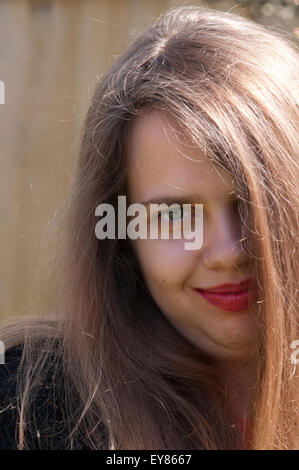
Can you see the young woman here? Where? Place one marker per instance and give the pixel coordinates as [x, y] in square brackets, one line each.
[148, 348]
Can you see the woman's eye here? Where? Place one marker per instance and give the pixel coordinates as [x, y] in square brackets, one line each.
[178, 214]
[172, 215]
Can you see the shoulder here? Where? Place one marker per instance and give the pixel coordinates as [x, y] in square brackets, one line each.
[47, 425]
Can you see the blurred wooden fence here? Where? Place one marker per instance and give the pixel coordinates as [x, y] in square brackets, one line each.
[51, 54]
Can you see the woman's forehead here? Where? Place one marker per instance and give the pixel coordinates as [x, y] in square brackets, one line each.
[158, 162]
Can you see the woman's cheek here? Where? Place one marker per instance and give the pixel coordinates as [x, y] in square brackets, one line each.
[164, 261]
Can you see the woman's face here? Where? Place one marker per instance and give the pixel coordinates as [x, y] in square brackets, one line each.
[160, 168]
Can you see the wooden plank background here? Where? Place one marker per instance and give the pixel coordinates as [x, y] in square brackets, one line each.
[51, 54]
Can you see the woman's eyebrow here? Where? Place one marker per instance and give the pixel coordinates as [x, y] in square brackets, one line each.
[188, 199]
[172, 200]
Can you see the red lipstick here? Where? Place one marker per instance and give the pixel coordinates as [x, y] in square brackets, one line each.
[230, 297]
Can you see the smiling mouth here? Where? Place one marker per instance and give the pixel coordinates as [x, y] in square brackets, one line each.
[229, 301]
[230, 287]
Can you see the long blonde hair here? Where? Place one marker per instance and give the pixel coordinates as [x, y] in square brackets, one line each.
[231, 86]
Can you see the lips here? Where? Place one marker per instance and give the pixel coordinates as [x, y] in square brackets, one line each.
[230, 297]
[224, 288]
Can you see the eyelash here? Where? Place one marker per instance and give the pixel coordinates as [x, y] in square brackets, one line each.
[171, 212]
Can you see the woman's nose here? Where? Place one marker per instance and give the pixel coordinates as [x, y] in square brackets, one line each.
[222, 246]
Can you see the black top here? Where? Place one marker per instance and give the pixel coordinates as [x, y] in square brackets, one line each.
[49, 428]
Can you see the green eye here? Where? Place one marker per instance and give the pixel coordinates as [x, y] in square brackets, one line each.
[178, 214]
[174, 215]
